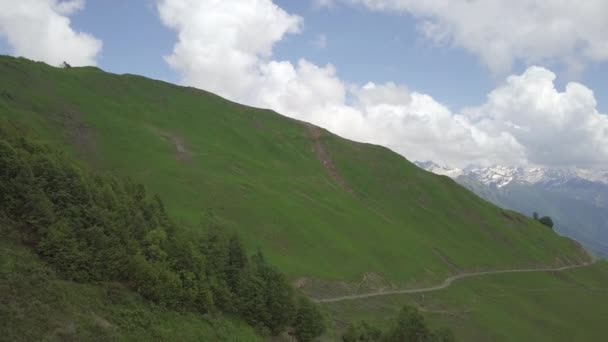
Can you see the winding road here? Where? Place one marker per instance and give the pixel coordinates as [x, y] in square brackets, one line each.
[446, 283]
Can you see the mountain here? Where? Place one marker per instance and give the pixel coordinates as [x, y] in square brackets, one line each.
[576, 199]
[501, 175]
[336, 216]
[600, 176]
[440, 170]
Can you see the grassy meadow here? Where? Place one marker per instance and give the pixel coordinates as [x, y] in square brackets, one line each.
[322, 208]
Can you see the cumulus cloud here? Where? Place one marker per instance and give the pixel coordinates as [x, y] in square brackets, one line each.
[501, 32]
[68, 7]
[555, 128]
[226, 47]
[40, 30]
[420, 128]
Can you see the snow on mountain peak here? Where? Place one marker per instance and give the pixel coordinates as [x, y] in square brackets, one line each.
[594, 176]
[501, 175]
[439, 169]
[497, 175]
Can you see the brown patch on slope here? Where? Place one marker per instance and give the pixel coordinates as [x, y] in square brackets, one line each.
[324, 157]
[318, 288]
[182, 153]
[316, 134]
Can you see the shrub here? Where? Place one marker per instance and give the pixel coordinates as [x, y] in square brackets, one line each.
[547, 221]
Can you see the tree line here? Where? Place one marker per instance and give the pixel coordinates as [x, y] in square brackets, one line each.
[96, 227]
[408, 326]
[545, 220]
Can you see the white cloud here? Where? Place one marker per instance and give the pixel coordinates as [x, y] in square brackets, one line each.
[40, 30]
[420, 128]
[501, 32]
[68, 7]
[226, 47]
[323, 3]
[555, 128]
[320, 42]
[222, 45]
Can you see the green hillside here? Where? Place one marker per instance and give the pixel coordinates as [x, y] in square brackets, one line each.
[96, 229]
[577, 207]
[336, 216]
[38, 305]
[562, 306]
[288, 188]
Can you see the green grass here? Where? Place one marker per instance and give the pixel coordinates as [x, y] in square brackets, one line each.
[263, 175]
[36, 305]
[258, 171]
[559, 306]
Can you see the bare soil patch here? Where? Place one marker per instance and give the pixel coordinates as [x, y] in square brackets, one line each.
[370, 282]
[182, 153]
[316, 135]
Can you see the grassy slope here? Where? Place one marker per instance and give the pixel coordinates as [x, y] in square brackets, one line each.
[573, 209]
[262, 175]
[561, 306]
[37, 305]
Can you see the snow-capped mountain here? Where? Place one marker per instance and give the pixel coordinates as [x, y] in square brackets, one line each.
[440, 169]
[500, 175]
[577, 200]
[594, 176]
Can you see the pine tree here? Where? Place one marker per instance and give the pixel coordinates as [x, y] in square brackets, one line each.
[237, 261]
[361, 331]
[100, 228]
[309, 322]
[409, 327]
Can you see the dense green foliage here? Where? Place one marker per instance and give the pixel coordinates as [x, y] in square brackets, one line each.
[309, 322]
[409, 326]
[547, 221]
[99, 228]
[361, 331]
[37, 305]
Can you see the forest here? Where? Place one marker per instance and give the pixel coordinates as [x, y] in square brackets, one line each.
[98, 228]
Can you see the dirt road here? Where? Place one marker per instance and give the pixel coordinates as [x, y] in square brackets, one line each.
[446, 283]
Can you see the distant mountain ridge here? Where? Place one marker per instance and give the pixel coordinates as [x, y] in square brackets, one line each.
[501, 175]
[576, 199]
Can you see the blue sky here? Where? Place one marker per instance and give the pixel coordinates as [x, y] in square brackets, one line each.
[134, 39]
[364, 44]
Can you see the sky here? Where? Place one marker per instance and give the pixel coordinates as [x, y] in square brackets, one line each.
[515, 82]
